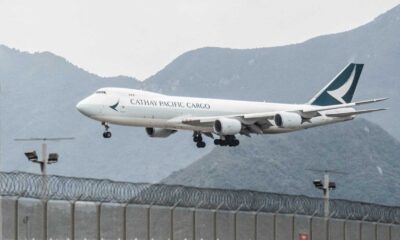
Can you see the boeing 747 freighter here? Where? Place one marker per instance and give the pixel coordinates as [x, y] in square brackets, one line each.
[162, 115]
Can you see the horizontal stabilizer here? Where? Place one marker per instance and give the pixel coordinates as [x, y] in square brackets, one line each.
[346, 105]
[355, 113]
[371, 101]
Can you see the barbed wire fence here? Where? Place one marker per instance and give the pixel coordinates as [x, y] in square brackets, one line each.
[30, 185]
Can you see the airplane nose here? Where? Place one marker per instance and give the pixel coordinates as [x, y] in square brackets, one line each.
[83, 107]
[89, 107]
[80, 106]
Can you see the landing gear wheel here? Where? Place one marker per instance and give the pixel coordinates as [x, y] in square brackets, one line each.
[197, 137]
[229, 140]
[217, 141]
[107, 134]
[200, 144]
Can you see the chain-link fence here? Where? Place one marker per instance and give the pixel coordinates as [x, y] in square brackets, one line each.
[97, 190]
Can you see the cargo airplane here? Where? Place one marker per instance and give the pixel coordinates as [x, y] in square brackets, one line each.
[162, 115]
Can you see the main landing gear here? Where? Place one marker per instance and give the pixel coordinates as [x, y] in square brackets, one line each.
[229, 140]
[106, 133]
[198, 139]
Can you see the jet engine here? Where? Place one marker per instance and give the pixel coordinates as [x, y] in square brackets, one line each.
[159, 132]
[227, 126]
[287, 120]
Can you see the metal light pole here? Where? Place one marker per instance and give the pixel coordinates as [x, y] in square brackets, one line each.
[326, 186]
[46, 159]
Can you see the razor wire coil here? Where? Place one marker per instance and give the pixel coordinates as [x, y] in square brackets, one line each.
[30, 185]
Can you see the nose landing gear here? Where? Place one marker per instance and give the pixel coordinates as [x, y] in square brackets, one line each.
[106, 133]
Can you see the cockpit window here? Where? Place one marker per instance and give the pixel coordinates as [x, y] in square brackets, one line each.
[100, 92]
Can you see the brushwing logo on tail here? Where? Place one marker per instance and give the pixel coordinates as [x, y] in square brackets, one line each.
[340, 92]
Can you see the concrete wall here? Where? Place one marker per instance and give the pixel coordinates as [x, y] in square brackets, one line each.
[302, 225]
[112, 221]
[86, 220]
[352, 230]
[265, 226]
[283, 227]
[32, 219]
[1, 214]
[319, 228]
[245, 226]
[225, 225]
[59, 220]
[183, 223]
[204, 224]
[336, 229]
[137, 222]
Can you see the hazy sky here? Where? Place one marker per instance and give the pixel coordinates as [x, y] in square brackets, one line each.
[138, 38]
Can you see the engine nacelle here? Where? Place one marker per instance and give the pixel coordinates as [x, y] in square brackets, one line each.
[287, 120]
[159, 132]
[227, 126]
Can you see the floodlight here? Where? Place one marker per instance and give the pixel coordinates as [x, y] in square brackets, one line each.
[32, 156]
[332, 185]
[318, 184]
[53, 158]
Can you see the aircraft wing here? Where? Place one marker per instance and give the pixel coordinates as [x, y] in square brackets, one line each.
[244, 117]
[200, 120]
[253, 122]
[256, 121]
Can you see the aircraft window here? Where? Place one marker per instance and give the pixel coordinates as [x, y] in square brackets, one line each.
[101, 92]
[131, 95]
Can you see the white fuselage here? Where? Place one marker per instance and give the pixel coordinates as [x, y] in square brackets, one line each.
[147, 109]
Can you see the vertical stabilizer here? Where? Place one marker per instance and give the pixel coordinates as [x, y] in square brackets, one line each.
[341, 89]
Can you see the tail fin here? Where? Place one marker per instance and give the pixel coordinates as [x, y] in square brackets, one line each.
[341, 89]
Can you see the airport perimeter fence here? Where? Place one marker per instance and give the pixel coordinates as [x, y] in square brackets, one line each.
[30, 185]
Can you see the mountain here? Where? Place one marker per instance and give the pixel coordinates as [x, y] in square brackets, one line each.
[294, 73]
[39, 92]
[38, 96]
[367, 155]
